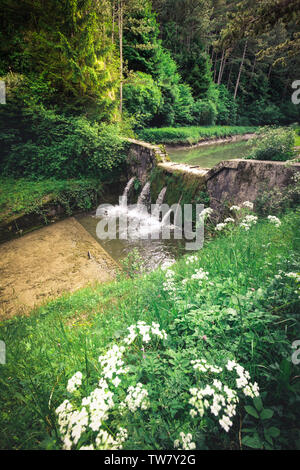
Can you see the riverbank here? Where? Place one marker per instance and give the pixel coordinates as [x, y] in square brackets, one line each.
[207, 142]
[26, 204]
[193, 135]
[48, 262]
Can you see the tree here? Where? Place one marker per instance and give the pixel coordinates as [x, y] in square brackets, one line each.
[68, 44]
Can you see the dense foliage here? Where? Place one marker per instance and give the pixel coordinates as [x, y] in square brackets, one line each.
[202, 62]
[273, 144]
[39, 141]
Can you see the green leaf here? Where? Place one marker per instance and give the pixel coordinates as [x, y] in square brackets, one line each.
[252, 441]
[272, 431]
[252, 411]
[266, 414]
[258, 403]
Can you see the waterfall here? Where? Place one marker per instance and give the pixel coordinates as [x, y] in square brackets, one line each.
[126, 191]
[159, 202]
[144, 196]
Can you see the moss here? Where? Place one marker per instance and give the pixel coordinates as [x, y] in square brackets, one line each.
[188, 189]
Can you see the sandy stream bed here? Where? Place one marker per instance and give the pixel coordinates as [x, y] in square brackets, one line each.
[48, 262]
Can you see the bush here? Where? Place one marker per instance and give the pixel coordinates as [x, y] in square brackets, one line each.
[204, 113]
[37, 143]
[37, 139]
[275, 144]
[226, 107]
[142, 98]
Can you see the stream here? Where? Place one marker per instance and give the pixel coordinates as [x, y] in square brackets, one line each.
[208, 156]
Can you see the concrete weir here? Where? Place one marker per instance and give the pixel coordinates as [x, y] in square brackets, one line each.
[231, 181]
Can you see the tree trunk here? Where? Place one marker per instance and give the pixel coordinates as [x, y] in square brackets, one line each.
[229, 76]
[269, 73]
[240, 71]
[215, 67]
[221, 67]
[120, 22]
[113, 23]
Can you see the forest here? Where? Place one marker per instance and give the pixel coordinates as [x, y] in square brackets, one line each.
[80, 74]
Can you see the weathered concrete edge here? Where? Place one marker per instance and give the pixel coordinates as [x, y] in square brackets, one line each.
[236, 164]
[212, 141]
[159, 151]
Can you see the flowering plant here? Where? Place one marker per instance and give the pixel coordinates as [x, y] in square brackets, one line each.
[109, 416]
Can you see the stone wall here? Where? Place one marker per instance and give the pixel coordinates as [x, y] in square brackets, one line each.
[235, 181]
[232, 181]
[142, 158]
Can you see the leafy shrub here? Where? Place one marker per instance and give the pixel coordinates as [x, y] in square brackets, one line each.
[275, 144]
[42, 143]
[38, 140]
[142, 98]
[204, 113]
[226, 107]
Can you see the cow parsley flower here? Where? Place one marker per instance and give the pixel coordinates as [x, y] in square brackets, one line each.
[205, 213]
[185, 441]
[225, 423]
[137, 397]
[74, 382]
[220, 227]
[274, 220]
[248, 205]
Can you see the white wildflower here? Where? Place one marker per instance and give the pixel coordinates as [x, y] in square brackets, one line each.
[137, 397]
[74, 382]
[248, 205]
[186, 442]
[274, 220]
[220, 227]
[225, 423]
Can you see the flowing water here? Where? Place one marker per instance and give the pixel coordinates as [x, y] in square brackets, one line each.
[146, 236]
[208, 156]
[155, 252]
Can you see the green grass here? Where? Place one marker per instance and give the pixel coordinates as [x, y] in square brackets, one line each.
[243, 311]
[24, 196]
[192, 134]
[297, 138]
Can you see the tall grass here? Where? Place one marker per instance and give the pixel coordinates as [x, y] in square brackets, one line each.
[192, 134]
